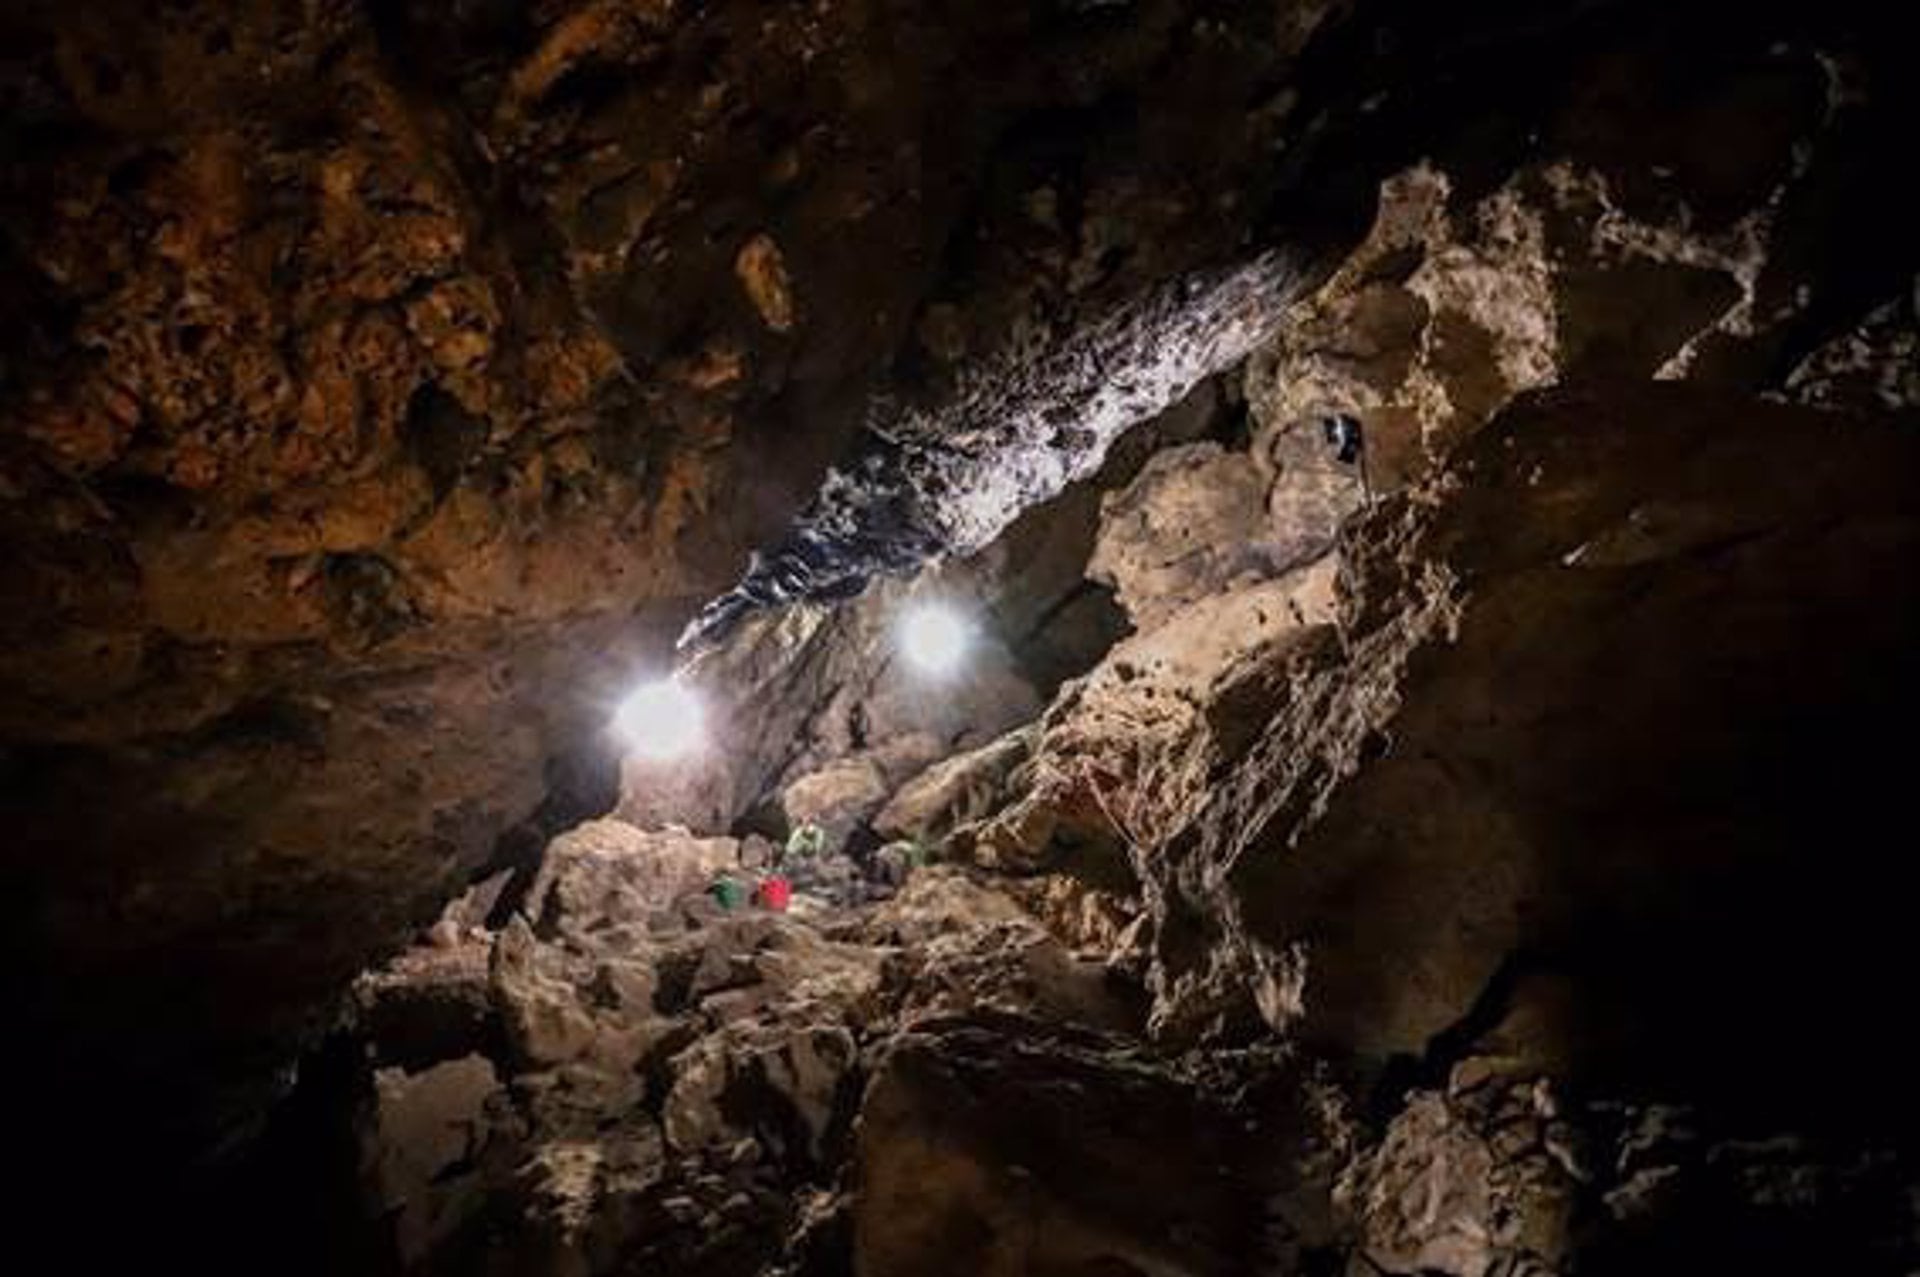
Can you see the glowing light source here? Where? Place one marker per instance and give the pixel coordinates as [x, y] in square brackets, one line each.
[933, 637]
[661, 720]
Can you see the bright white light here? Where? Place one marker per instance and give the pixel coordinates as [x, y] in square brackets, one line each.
[934, 637]
[661, 720]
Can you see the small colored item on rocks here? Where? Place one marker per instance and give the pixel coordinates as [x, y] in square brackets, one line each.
[775, 893]
[806, 840]
[728, 893]
[1344, 438]
[896, 861]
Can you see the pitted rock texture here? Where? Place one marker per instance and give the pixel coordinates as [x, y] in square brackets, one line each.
[813, 700]
[1601, 223]
[640, 1075]
[988, 1148]
[1573, 267]
[381, 384]
[1191, 524]
[1576, 533]
[1497, 1173]
[950, 481]
[818, 718]
[1876, 367]
[1470, 289]
[933, 1084]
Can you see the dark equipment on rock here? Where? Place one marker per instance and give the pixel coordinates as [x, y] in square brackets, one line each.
[1348, 441]
[1343, 435]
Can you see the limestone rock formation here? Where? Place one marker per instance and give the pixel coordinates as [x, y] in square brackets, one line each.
[1192, 523]
[1577, 534]
[381, 383]
[1432, 494]
[999, 1148]
[643, 1072]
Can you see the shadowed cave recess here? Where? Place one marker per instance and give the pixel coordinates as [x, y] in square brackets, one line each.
[903, 638]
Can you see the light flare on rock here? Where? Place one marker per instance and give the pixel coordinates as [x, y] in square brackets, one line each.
[662, 720]
[934, 637]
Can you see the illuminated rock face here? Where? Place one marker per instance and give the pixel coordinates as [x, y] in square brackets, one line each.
[1514, 933]
[639, 1073]
[382, 387]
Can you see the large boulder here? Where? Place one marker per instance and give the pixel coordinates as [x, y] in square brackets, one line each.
[837, 799]
[607, 873]
[1192, 523]
[425, 1136]
[1499, 1172]
[1001, 1148]
[1601, 735]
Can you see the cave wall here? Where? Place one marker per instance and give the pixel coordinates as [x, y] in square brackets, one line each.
[382, 384]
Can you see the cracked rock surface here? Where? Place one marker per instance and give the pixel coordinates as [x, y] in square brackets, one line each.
[641, 1075]
[1434, 489]
[381, 385]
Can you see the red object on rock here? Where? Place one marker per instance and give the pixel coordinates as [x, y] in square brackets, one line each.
[776, 893]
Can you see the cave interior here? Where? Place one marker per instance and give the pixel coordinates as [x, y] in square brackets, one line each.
[897, 638]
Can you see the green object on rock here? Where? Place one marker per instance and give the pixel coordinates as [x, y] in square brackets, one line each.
[806, 840]
[908, 851]
[893, 863]
[728, 893]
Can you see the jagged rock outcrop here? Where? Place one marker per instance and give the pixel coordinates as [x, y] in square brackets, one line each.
[1002, 1147]
[815, 707]
[1477, 845]
[1574, 266]
[948, 482]
[1543, 790]
[380, 383]
[1866, 370]
[1561, 554]
[1615, 232]
[1495, 1173]
[1193, 523]
[1462, 812]
[639, 1073]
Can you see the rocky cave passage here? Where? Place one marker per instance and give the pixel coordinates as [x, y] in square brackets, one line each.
[1432, 495]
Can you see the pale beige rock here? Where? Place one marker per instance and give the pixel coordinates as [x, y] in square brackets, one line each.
[954, 791]
[1192, 523]
[607, 872]
[1120, 754]
[837, 798]
[1427, 1203]
[798, 1067]
[425, 1124]
[544, 1018]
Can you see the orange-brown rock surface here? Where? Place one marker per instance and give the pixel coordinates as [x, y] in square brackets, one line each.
[1423, 804]
[382, 382]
